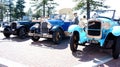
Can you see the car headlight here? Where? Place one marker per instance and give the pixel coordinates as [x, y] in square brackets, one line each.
[106, 25]
[5, 24]
[18, 24]
[49, 25]
[36, 25]
[83, 23]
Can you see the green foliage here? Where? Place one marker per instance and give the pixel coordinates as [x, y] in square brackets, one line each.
[2, 9]
[41, 5]
[19, 9]
[94, 4]
[89, 5]
[37, 14]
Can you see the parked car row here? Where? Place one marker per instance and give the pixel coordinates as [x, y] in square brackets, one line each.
[99, 30]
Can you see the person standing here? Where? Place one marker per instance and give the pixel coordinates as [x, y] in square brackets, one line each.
[76, 19]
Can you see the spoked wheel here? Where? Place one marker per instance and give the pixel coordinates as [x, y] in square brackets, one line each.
[74, 42]
[35, 38]
[22, 33]
[116, 48]
[57, 36]
[6, 32]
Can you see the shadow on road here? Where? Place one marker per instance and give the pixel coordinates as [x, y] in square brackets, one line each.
[1, 65]
[16, 39]
[49, 44]
[91, 52]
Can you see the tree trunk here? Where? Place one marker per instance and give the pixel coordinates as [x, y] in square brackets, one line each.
[44, 10]
[88, 9]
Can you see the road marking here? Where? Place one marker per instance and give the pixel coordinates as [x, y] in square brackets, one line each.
[95, 62]
[8, 63]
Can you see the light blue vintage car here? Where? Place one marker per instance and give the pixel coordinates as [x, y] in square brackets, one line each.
[101, 29]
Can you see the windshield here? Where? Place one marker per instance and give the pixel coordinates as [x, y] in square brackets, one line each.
[58, 16]
[103, 13]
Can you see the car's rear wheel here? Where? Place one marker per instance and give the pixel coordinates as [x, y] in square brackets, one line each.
[22, 33]
[34, 38]
[116, 48]
[6, 32]
[57, 36]
[74, 42]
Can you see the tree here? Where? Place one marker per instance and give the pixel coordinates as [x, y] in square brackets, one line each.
[90, 5]
[51, 6]
[37, 14]
[42, 5]
[39, 5]
[19, 9]
[2, 9]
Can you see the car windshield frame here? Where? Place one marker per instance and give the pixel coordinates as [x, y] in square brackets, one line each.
[104, 13]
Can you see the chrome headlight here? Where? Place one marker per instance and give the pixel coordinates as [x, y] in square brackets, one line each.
[49, 25]
[6, 24]
[83, 23]
[36, 25]
[106, 25]
[18, 24]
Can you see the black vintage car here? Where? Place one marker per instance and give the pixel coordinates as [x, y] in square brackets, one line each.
[19, 28]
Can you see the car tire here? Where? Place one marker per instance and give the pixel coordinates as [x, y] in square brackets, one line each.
[35, 38]
[22, 34]
[73, 43]
[6, 32]
[116, 48]
[57, 36]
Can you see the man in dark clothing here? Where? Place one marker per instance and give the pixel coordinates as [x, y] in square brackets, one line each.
[76, 19]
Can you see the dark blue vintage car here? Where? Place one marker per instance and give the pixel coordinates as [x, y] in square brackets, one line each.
[54, 28]
[19, 28]
[102, 29]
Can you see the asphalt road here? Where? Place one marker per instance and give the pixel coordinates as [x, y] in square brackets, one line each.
[15, 52]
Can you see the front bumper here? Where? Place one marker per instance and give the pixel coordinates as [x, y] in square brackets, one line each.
[43, 35]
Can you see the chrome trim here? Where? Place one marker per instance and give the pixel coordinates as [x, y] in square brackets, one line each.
[43, 35]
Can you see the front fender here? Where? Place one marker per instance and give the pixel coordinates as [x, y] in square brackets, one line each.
[36, 26]
[81, 32]
[54, 28]
[73, 28]
[7, 27]
[32, 28]
[116, 31]
[18, 27]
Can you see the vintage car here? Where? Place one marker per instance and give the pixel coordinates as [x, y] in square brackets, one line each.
[19, 28]
[54, 28]
[102, 29]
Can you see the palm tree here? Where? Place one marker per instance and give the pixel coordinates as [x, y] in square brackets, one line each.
[40, 5]
[89, 5]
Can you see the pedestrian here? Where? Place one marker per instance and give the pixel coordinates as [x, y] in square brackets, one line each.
[76, 19]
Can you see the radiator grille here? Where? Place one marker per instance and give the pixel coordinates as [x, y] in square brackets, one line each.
[94, 28]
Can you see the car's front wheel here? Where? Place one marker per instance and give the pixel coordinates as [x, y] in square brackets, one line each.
[116, 48]
[22, 33]
[34, 38]
[74, 42]
[6, 32]
[57, 36]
